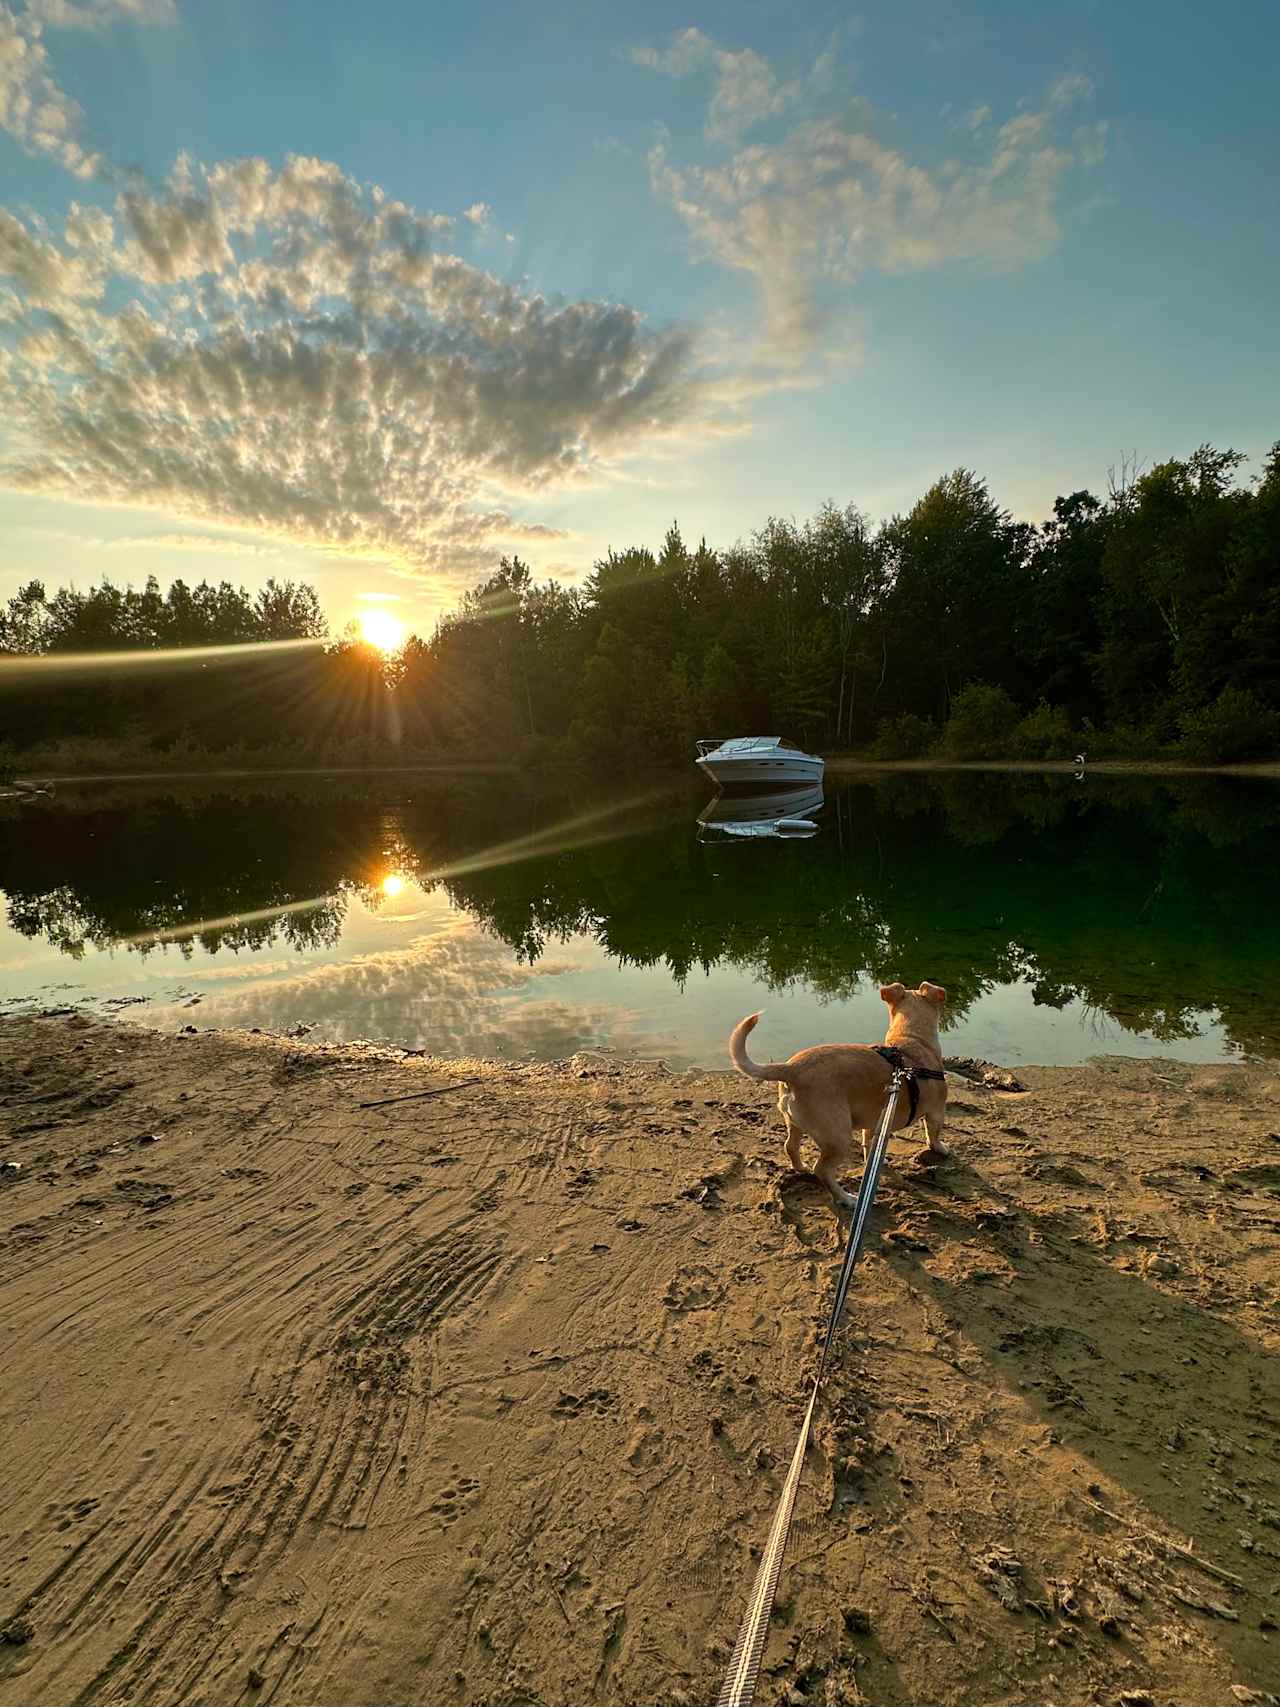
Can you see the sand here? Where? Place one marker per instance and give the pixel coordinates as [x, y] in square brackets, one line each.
[486, 1398]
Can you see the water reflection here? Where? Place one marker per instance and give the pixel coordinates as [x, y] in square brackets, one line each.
[751, 817]
[1146, 901]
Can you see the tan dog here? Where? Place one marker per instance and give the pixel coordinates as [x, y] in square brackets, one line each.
[825, 1092]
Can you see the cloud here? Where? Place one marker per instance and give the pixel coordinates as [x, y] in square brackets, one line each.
[101, 14]
[478, 214]
[188, 542]
[829, 201]
[292, 353]
[745, 89]
[37, 114]
[1091, 142]
[1073, 86]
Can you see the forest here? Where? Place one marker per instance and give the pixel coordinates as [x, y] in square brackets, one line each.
[1142, 623]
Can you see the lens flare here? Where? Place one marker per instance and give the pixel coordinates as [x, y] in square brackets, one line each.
[15, 666]
[176, 933]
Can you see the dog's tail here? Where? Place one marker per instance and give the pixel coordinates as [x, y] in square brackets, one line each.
[743, 1062]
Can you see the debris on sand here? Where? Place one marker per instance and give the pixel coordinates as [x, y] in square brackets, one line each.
[982, 1073]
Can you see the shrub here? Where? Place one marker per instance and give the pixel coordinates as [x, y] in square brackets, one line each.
[904, 737]
[981, 723]
[1044, 733]
[1236, 726]
[1122, 741]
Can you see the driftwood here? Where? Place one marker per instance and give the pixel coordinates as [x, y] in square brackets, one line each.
[415, 1096]
[1171, 1547]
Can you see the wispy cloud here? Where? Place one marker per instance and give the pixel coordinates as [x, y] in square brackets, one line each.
[830, 201]
[745, 88]
[37, 114]
[212, 542]
[101, 14]
[1071, 87]
[294, 353]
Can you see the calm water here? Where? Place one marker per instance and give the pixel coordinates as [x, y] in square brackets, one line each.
[475, 916]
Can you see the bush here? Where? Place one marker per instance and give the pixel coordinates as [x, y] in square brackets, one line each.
[1044, 733]
[1236, 726]
[904, 737]
[1130, 741]
[981, 724]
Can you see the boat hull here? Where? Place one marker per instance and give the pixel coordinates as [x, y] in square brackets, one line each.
[766, 770]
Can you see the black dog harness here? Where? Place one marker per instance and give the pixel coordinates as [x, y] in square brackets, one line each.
[898, 1061]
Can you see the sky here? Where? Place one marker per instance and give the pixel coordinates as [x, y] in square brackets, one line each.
[372, 296]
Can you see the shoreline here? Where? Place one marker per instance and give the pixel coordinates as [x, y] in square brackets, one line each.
[1110, 767]
[839, 764]
[470, 1396]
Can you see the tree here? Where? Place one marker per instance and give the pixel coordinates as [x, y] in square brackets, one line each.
[959, 575]
[24, 622]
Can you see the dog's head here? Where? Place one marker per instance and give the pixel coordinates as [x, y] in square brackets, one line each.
[917, 1009]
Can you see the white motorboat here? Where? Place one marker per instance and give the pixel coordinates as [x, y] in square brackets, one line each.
[757, 761]
[775, 815]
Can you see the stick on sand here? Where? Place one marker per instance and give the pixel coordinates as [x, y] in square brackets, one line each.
[414, 1096]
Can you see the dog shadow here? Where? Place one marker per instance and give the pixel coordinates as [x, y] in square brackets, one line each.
[1170, 1401]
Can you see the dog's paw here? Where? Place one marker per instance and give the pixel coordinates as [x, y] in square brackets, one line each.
[930, 1156]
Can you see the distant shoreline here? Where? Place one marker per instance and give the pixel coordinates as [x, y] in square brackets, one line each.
[466, 767]
[841, 764]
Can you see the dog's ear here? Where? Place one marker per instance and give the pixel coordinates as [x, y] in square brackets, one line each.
[892, 993]
[933, 993]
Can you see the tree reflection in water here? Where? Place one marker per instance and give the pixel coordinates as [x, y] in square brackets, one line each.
[1146, 898]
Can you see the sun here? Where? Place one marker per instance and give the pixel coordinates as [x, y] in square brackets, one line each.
[379, 628]
[392, 883]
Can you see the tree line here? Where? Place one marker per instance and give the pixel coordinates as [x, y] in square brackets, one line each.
[1141, 622]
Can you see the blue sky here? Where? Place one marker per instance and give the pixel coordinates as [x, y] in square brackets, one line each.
[372, 295]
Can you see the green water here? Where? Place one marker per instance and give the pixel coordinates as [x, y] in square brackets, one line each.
[1065, 918]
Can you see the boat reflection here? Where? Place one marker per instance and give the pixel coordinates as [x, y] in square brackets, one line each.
[777, 815]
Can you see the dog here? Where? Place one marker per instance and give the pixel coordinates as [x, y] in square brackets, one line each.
[823, 1093]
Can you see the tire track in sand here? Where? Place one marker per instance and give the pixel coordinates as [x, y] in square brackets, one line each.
[337, 1416]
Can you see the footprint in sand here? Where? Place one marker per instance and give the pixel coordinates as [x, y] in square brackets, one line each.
[693, 1288]
[596, 1403]
[455, 1499]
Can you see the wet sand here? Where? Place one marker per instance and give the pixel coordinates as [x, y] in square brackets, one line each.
[486, 1397]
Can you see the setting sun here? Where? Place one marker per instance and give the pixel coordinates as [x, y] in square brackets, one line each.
[379, 628]
[392, 884]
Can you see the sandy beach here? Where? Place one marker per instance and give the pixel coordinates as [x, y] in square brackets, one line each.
[485, 1397]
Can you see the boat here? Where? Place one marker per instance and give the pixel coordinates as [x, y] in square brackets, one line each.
[757, 761]
[774, 816]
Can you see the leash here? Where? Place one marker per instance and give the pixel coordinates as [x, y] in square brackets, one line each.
[739, 1686]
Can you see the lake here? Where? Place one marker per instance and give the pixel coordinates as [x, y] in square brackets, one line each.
[483, 915]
